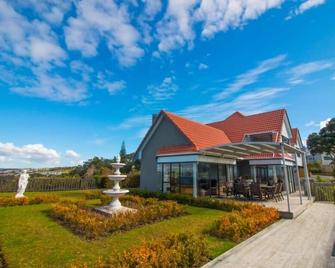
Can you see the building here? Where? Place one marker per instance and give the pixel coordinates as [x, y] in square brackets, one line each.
[184, 156]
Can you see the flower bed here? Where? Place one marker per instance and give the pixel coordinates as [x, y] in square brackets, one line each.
[204, 202]
[182, 251]
[90, 224]
[38, 199]
[239, 225]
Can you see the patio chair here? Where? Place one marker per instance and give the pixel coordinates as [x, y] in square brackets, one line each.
[256, 191]
[271, 192]
[229, 188]
[279, 194]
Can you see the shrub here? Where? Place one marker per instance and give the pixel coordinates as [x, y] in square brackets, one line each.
[239, 225]
[38, 199]
[205, 202]
[182, 251]
[89, 223]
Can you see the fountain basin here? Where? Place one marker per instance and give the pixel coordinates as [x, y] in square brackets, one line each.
[117, 177]
[116, 193]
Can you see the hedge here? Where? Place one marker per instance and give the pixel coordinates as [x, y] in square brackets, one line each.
[174, 251]
[204, 202]
[239, 225]
[38, 199]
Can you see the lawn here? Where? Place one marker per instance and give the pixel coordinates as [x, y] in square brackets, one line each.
[29, 238]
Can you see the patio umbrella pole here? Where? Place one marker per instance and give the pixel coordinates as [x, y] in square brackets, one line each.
[286, 178]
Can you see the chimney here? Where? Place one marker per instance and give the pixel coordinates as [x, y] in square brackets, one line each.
[154, 118]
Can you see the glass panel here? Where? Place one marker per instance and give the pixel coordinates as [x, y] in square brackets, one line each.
[159, 172]
[203, 178]
[186, 178]
[166, 177]
[175, 178]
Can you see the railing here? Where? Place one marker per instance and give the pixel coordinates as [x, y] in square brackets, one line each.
[46, 184]
[323, 191]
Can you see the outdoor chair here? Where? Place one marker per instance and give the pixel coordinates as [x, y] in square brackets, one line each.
[279, 190]
[271, 192]
[229, 188]
[256, 191]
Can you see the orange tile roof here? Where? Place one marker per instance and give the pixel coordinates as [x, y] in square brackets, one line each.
[200, 135]
[294, 138]
[237, 124]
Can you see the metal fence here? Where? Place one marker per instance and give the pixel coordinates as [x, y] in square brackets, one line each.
[49, 184]
[323, 191]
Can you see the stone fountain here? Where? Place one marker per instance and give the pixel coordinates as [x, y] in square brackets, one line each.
[115, 206]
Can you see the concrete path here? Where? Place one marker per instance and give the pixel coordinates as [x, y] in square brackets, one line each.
[306, 241]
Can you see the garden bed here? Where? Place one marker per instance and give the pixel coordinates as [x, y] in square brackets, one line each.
[38, 199]
[87, 222]
[3, 263]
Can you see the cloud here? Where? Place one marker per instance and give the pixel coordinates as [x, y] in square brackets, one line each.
[176, 29]
[324, 122]
[202, 66]
[306, 5]
[53, 87]
[251, 76]
[298, 73]
[104, 82]
[164, 91]
[98, 21]
[319, 125]
[251, 102]
[34, 39]
[218, 15]
[30, 153]
[72, 154]
[136, 121]
[52, 11]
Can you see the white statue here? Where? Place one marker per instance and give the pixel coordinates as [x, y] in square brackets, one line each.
[22, 185]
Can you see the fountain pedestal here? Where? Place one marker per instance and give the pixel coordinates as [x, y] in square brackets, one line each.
[115, 206]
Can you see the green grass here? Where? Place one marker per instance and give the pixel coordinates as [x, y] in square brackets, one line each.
[29, 238]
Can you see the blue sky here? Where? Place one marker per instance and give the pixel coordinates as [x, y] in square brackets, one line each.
[78, 77]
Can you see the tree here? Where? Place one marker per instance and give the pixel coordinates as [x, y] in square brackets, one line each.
[324, 141]
[123, 151]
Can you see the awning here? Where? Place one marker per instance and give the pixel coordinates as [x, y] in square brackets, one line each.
[245, 149]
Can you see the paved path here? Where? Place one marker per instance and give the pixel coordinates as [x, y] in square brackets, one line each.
[306, 241]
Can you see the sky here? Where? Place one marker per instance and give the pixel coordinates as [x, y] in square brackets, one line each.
[79, 77]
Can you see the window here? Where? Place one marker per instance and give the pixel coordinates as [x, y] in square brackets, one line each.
[258, 137]
[166, 177]
[175, 178]
[186, 178]
[285, 140]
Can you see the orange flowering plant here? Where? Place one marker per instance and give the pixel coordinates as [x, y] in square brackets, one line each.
[38, 199]
[239, 225]
[86, 222]
[174, 251]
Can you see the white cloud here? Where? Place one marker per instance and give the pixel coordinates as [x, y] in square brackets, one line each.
[251, 102]
[324, 122]
[298, 73]
[52, 11]
[136, 121]
[218, 15]
[164, 91]
[104, 81]
[34, 39]
[176, 28]
[312, 123]
[306, 5]
[251, 76]
[103, 20]
[30, 153]
[53, 87]
[202, 66]
[72, 154]
[319, 125]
